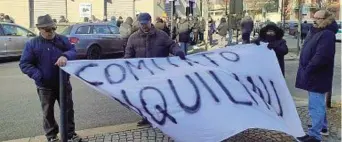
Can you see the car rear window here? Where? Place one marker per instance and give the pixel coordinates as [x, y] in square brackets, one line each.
[66, 31]
[83, 30]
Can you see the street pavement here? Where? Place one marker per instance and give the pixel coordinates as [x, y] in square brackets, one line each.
[21, 112]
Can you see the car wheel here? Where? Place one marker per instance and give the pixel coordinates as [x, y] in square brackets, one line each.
[94, 52]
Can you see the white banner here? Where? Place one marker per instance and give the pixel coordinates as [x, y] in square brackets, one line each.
[209, 97]
[85, 10]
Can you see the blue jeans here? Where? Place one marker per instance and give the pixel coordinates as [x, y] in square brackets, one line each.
[317, 113]
[184, 47]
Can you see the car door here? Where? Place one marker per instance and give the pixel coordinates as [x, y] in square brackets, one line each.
[104, 37]
[16, 38]
[118, 42]
[3, 46]
[83, 34]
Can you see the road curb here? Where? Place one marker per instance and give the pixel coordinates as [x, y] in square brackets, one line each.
[87, 132]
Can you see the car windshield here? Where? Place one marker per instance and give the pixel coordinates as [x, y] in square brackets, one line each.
[64, 30]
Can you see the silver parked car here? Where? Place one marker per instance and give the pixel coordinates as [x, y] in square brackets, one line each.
[12, 40]
[92, 40]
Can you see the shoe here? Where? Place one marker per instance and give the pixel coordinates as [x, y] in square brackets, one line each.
[74, 138]
[53, 139]
[302, 139]
[311, 139]
[308, 138]
[143, 122]
[324, 131]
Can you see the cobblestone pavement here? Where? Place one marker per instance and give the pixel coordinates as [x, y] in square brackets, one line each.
[148, 134]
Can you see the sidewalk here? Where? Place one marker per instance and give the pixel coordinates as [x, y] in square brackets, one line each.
[132, 133]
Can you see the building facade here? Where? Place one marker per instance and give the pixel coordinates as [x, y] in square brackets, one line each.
[26, 12]
[309, 7]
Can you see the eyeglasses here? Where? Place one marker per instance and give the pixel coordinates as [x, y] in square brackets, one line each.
[319, 18]
[49, 29]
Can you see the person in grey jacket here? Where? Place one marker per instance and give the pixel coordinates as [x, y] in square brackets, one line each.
[184, 30]
[126, 28]
[202, 27]
[135, 25]
[195, 30]
[222, 29]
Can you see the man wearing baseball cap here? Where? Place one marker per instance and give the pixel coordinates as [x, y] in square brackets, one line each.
[149, 42]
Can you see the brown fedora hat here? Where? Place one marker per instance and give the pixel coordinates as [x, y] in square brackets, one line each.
[45, 21]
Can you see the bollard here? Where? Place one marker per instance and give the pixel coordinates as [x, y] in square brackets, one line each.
[328, 99]
[63, 106]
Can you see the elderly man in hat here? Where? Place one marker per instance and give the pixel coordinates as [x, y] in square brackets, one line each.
[149, 42]
[41, 59]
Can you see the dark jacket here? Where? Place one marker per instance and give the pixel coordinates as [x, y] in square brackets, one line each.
[184, 30]
[39, 58]
[174, 29]
[162, 26]
[156, 43]
[232, 22]
[211, 27]
[316, 64]
[222, 29]
[277, 43]
[305, 27]
[118, 23]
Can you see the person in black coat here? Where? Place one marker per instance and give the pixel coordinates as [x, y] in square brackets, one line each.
[316, 69]
[273, 35]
